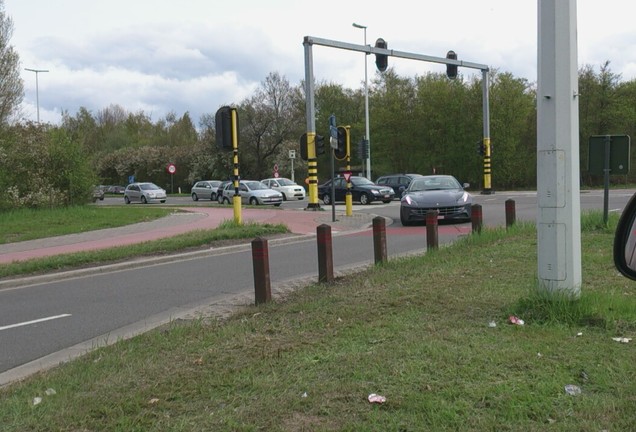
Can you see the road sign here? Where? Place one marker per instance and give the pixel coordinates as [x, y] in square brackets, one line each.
[171, 168]
[347, 176]
[618, 162]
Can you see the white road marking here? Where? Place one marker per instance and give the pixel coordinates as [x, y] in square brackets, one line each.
[34, 321]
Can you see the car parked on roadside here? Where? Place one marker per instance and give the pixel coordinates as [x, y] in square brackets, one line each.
[205, 189]
[289, 189]
[398, 182]
[144, 192]
[252, 192]
[362, 189]
[116, 190]
[220, 189]
[98, 193]
[435, 192]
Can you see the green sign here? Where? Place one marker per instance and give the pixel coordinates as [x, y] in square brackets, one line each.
[618, 154]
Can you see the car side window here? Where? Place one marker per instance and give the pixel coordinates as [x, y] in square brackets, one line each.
[382, 181]
[404, 180]
[243, 188]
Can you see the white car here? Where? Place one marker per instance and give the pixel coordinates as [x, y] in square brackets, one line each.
[144, 193]
[289, 189]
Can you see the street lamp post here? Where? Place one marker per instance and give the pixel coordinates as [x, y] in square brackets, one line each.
[366, 103]
[37, 90]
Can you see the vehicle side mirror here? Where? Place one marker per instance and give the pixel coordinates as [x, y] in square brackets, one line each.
[625, 241]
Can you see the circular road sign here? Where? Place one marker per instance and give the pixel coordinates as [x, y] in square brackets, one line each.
[172, 169]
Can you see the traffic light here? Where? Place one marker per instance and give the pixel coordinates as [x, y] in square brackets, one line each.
[363, 148]
[481, 148]
[381, 60]
[343, 137]
[225, 127]
[303, 147]
[320, 144]
[451, 70]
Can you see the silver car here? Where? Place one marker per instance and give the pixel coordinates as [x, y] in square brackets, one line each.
[144, 193]
[205, 189]
[252, 192]
[289, 189]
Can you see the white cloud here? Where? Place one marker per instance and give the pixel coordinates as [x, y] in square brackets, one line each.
[196, 55]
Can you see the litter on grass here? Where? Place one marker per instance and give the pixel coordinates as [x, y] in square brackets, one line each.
[492, 324]
[573, 390]
[37, 400]
[515, 320]
[376, 398]
[622, 339]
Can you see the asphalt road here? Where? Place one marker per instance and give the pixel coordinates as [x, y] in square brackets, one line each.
[62, 319]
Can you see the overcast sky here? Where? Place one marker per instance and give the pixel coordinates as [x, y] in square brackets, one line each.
[194, 56]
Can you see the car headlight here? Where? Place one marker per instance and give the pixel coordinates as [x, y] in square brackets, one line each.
[375, 191]
[463, 199]
[409, 200]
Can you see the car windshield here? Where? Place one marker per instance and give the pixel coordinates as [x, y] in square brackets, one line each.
[285, 182]
[433, 183]
[149, 186]
[255, 185]
[361, 181]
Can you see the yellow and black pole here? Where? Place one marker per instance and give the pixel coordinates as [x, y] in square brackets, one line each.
[236, 199]
[487, 166]
[312, 170]
[348, 197]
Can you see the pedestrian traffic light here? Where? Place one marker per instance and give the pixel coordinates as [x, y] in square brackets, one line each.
[451, 70]
[381, 60]
[343, 138]
[303, 147]
[226, 124]
[320, 144]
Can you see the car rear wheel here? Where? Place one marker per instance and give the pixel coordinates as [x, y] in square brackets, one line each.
[143, 200]
[195, 197]
[364, 199]
[226, 200]
[326, 199]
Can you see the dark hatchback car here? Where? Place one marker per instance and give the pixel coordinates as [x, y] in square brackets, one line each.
[398, 182]
[362, 190]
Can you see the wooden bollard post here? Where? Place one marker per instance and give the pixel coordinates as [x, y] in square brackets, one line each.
[325, 253]
[260, 263]
[432, 241]
[511, 215]
[476, 218]
[379, 239]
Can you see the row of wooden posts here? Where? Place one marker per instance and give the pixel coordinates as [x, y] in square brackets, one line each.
[260, 250]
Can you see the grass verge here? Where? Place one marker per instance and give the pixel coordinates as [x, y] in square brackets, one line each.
[227, 231]
[415, 330]
[29, 224]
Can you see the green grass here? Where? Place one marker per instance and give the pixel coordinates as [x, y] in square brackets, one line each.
[30, 224]
[415, 330]
[80, 219]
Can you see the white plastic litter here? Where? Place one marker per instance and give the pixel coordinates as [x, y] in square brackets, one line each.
[622, 339]
[573, 390]
[376, 398]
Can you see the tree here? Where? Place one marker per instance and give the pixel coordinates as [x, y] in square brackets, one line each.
[266, 121]
[11, 85]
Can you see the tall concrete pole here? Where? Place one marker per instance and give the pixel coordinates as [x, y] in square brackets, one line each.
[558, 188]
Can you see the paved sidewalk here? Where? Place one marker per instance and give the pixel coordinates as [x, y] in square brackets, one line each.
[303, 222]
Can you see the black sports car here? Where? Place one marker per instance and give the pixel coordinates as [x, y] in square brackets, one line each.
[436, 192]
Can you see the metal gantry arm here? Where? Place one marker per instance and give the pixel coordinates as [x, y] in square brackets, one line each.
[309, 41]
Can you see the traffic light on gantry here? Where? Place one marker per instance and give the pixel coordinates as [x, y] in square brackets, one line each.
[451, 70]
[381, 60]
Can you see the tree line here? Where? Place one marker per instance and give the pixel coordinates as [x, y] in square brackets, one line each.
[423, 124]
